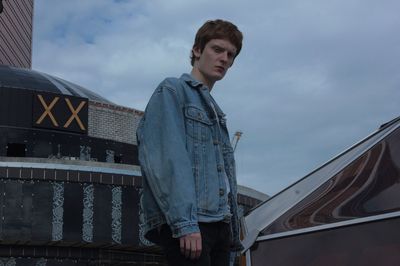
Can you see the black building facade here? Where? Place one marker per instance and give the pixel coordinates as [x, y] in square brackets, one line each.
[68, 194]
[69, 176]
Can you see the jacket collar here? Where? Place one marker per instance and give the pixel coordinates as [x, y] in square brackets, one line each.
[194, 83]
[191, 81]
[204, 92]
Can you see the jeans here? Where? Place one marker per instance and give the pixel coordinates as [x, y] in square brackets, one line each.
[216, 239]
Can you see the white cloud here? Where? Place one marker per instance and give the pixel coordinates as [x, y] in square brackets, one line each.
[313, 76]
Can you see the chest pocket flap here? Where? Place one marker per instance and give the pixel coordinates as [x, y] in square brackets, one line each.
[197, 114]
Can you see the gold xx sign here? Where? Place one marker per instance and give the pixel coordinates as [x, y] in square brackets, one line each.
[65, 111]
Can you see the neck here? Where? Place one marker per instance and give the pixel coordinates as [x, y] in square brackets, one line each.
[200, 77]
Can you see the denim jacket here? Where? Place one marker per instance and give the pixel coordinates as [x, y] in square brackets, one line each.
[186, 158]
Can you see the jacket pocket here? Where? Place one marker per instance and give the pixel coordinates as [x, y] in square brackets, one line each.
[198, 125]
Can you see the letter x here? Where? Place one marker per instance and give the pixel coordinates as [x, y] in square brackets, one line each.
[47, 110]
[74, 114]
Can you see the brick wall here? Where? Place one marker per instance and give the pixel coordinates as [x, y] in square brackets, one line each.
[113, 122]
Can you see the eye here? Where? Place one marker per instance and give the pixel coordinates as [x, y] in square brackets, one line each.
[218, 49]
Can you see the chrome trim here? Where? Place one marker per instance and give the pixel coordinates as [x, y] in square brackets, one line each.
[249, 192]
[250, 238]
[248, 258]
[330, 226]
[72, 167]
[272, 209]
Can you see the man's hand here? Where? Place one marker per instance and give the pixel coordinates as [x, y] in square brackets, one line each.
[191, 245]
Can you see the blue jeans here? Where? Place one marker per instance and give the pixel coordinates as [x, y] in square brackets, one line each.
[215, 246]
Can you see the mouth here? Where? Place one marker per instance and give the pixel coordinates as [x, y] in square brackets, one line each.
[220, 69]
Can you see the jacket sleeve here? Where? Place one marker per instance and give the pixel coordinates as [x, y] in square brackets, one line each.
[165, 160]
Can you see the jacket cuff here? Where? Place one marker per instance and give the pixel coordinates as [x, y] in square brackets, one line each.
[182, 229]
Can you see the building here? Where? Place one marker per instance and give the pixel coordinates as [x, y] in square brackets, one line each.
[69, 174]
[16, 23]
[69, 178]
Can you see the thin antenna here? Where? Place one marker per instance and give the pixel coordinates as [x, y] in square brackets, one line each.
[235, 139]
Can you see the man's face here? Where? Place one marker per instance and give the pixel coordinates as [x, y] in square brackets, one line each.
[214, 61]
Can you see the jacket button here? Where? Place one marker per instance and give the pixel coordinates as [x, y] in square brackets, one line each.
[219, 168]
[221, 192]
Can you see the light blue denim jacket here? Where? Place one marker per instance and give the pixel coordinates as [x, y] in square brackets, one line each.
[185, 156]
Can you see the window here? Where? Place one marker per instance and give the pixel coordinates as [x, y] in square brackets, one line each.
[16, 150]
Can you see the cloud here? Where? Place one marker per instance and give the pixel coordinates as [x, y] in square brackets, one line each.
[313, 76]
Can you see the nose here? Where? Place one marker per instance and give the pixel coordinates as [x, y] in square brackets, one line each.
[224, 57]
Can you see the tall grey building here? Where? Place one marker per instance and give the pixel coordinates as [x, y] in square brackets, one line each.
[16, 19]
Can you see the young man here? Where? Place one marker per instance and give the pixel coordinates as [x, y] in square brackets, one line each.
[188, 203]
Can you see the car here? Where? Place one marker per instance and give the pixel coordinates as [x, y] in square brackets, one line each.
[346, 212]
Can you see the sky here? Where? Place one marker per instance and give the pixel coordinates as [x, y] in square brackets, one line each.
[313, 77]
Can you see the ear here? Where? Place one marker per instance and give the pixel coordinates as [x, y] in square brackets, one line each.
[196, 52]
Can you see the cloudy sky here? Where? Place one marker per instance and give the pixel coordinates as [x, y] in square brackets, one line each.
[313, 77]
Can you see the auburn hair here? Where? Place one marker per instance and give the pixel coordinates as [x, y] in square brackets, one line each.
[217, 29]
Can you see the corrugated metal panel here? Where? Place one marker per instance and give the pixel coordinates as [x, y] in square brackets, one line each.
[16, 33]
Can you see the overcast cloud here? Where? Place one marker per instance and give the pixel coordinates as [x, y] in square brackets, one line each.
[313, 76]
